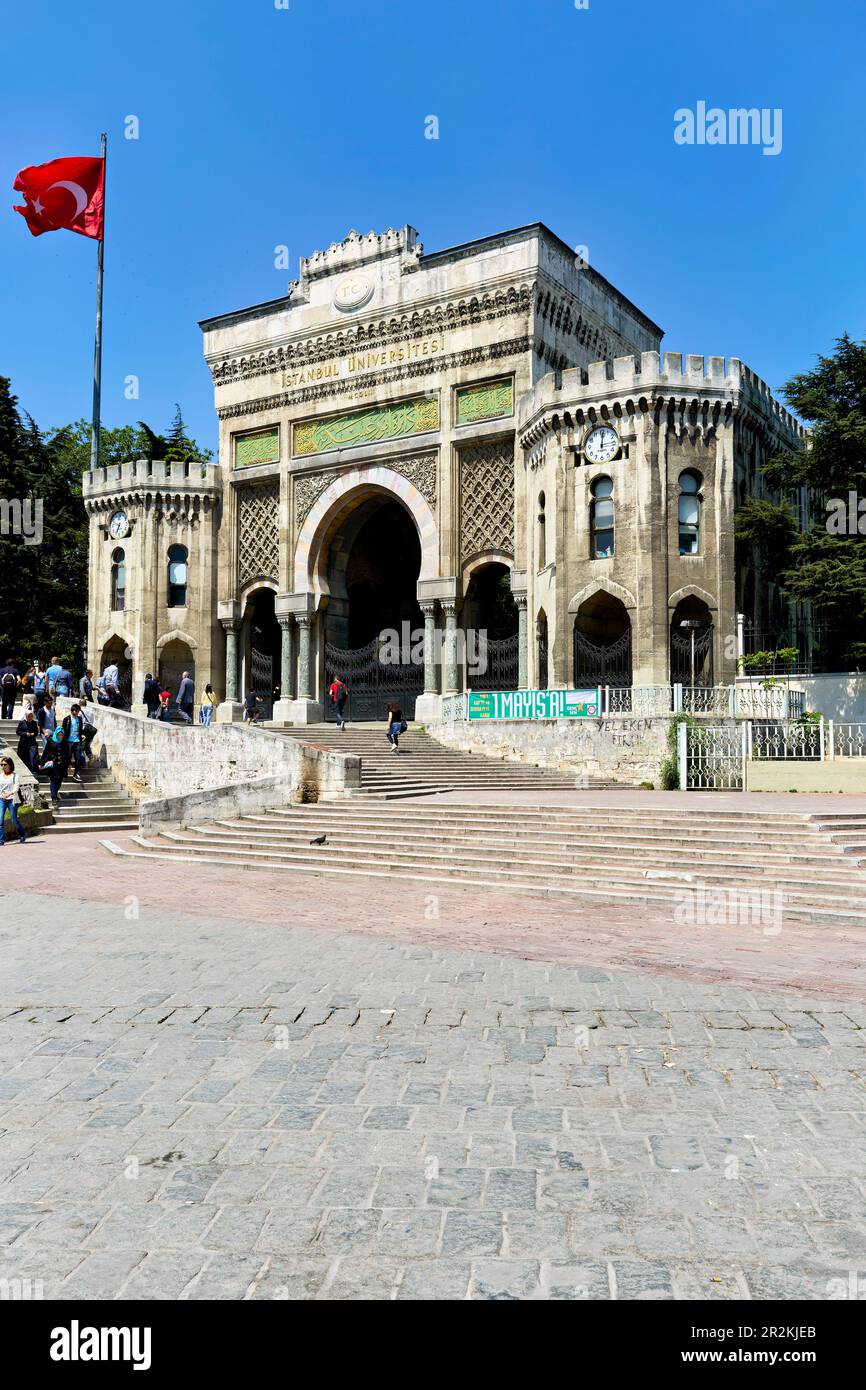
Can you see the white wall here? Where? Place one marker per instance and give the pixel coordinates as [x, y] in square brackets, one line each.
[837, 695]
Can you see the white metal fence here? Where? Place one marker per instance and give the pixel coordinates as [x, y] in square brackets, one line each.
[658, 701]
[713, 757]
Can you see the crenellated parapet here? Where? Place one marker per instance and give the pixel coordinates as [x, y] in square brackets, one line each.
[176, 489]
[356, 250]
[695, 394]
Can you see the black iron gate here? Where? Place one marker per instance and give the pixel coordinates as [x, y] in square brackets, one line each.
[502, 666]
[262, 681]
[600, 665]
[372, 683]
[681, 657]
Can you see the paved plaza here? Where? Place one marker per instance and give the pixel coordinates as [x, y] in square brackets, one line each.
[272, 1093]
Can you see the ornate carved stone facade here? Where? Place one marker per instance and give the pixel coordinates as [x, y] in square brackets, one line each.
[487, 498]
[404, 435]
[258, 533]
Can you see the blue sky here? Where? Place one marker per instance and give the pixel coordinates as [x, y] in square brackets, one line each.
[262, 126]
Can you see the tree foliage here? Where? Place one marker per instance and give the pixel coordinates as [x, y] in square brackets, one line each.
[44, 607]
[826, 567]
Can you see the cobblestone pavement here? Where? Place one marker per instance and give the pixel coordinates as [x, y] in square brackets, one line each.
[198, 1107]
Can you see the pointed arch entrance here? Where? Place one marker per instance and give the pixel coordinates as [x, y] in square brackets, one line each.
[260, 648]
[116, 652]
[692, 642]
[490, 622]
[602, 642]
[373, 626]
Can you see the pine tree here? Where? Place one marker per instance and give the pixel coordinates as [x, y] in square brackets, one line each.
[825, 564]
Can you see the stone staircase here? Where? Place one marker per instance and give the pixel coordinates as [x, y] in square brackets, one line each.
[422, 766]
[601, 853]
[97, 802]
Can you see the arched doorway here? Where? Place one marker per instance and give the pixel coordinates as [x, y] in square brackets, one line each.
[602, 642]
[116, 653]
[692, 643]
[175, 658]
[373, 624]
[261, 650]
[490, 623]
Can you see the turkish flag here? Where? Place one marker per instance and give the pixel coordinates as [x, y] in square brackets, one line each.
[64, 193]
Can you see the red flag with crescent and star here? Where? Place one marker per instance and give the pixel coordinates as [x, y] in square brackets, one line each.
[64, 194]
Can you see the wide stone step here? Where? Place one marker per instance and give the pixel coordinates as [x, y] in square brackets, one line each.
[299, 823]
[445, 853]
[819, 908]
[585, 829]
[92, 827]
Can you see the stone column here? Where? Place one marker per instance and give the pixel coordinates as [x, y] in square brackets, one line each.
[304, 623]
[450, 611]
[282, 713]
[306, 709]
[231, 710]
[429, 611]
[286, 659]
[522, 642]
[427, 706]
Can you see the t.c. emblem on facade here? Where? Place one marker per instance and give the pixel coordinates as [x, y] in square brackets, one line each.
[258, 533]
[487, 497]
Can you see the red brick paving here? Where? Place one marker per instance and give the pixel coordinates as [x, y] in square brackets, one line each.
[813, 959]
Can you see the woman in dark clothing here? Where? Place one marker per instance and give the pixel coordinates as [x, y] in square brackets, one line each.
[55, 760]
[396, 726]
[28, 740]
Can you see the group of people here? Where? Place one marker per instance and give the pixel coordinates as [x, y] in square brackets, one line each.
[158, 700]
[35, 683]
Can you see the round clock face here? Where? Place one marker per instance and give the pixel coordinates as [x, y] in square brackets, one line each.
[118, 525]
[601, 445]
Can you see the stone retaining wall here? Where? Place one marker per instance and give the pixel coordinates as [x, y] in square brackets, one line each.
[624, 749]
[202, 772]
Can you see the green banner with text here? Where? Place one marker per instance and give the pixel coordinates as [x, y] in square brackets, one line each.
[534, 704]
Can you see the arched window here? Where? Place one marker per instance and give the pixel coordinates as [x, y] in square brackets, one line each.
[542, 533]
[689, 513]
[177, 575]
[118, 580]
[601, 519]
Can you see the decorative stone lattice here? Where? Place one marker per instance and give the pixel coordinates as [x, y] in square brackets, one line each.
[487, 497]
[420, 470]
[258, 533]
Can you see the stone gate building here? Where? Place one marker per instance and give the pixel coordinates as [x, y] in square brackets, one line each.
[470, 468]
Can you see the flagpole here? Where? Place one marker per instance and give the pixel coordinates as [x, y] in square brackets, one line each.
[97, 344]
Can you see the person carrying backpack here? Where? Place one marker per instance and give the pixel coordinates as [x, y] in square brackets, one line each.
[339, 694]
[396, 726]
[9, 679]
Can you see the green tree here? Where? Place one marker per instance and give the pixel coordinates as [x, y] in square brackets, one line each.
[45, 585]
[179, 447]
[824, 565]
[44, 608]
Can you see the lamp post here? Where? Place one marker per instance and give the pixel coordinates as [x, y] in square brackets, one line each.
[691, 624]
